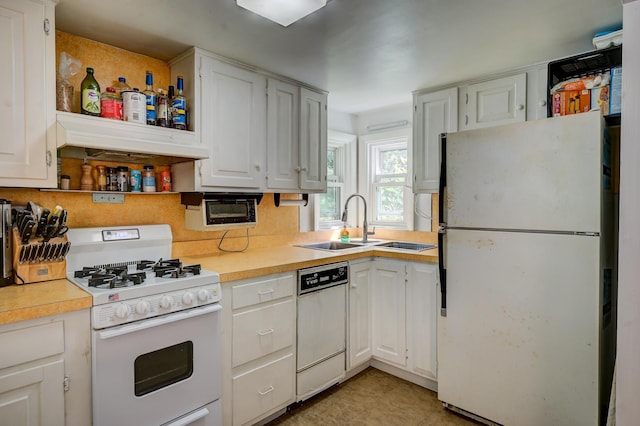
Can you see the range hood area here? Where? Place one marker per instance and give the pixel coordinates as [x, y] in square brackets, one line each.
[84, 136]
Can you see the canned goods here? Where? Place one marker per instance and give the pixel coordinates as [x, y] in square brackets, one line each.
[134, 107]
[123, 178]
[136, 181]
[149, 180]
[165, 180]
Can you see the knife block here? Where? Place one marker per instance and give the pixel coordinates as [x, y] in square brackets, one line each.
[36, 269]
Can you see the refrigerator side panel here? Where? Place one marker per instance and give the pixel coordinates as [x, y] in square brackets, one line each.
[520, 341]
[539, 175]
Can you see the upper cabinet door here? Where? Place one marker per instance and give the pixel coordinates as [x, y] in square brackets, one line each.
[27, 94]
[496, 102]
[283, 136]
[233, 125]
[313, 141]
[434, 113]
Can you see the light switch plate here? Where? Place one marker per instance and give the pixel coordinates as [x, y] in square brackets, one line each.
[101, 197]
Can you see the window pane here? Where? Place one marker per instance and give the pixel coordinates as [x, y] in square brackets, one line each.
[393, 161]
[331, 162]
[330, 204]
[390, 204]
[391, 179]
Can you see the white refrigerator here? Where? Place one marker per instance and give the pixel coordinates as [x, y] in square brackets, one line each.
[527, 253]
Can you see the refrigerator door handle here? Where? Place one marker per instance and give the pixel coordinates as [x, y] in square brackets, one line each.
[443, 273]
[442, 182]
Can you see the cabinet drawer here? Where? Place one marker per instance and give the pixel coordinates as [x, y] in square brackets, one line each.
[258, 391]
[31, 343]
[262, 331]
[263, 291]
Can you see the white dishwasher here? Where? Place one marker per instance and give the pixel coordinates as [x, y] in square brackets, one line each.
[322, 323]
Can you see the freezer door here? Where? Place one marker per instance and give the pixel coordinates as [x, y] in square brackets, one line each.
[519, 343]
[539, 175]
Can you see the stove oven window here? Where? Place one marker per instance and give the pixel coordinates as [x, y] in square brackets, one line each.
[158, 369]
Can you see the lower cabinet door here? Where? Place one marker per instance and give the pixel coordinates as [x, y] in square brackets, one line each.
[263, 389]
[33, 396]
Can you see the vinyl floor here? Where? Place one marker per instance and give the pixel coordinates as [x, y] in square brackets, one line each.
[373, 398]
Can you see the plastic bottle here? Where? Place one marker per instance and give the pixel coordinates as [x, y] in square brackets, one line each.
[179, 106]
[90, 95]
[344, 234]
[121, 86]
[152, 100]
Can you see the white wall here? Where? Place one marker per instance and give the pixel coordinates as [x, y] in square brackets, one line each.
[628, 364]
[392, 114]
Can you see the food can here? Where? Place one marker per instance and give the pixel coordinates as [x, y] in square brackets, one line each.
[165, 180]
[134, 107]
[136, 180]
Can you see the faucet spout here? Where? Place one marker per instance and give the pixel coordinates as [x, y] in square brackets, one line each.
[365, 226]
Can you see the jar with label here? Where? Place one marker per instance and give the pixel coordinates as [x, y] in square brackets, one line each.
[123, 179]
[136, 181]
[165, 180]
[112, 179]
[102, 178]
[149, 179]
[111, 104]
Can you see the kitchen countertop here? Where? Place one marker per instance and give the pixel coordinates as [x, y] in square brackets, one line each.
[29, 301]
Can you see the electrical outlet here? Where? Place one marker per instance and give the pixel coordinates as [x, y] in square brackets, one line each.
[101, 197]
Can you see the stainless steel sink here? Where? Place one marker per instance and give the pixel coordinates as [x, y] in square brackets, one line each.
[367, 242]
[403, 245]
[330, 245]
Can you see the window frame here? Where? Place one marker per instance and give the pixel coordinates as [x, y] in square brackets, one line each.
[369, 148]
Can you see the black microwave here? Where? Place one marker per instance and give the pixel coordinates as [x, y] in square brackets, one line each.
[218, 211]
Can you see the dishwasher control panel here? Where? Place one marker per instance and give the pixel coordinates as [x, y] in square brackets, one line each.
[320, 277]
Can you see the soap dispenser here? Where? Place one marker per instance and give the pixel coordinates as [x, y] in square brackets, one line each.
[344, 234]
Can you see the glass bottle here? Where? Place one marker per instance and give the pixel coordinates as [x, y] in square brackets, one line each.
[171, 95]
[90, 95]
[151, 100]
[179, 106]
[162, 118]
[102, 178]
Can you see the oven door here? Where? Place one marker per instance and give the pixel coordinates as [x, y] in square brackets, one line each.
[154, 371]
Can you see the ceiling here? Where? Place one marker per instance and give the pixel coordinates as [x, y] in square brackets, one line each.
[368, 54]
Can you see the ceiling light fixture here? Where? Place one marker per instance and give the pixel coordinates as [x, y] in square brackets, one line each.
[284, 12]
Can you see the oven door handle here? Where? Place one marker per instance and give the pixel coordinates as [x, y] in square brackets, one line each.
[189, 419]
[155, 322]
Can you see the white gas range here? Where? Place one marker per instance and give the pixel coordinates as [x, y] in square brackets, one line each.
[155, 327]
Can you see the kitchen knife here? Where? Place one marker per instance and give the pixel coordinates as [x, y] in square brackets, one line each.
[51, 228]
[65, 250]
[62, 224]
[42, 223]
[46, 257]
[23, 251]
[57, 251]
[30, 253]
[25, 235]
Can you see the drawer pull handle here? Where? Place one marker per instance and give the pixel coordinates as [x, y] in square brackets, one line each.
[264, 333]
[261, 292]
[266, 391]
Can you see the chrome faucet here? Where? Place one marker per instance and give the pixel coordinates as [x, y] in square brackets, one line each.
[365, 227]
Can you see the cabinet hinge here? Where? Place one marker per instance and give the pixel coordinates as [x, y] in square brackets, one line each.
[65, 383]
[466, 98]
[47, 26]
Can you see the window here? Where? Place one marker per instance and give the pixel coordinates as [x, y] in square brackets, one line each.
[387, 179]
[341, 179]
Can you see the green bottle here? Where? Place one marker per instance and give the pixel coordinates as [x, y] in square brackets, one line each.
[90, 95]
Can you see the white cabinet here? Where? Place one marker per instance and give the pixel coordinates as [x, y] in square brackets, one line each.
[389, 321]
[45, 374]
[259, 319]
[262, 132]
[434, 113]
[405, 315]
[494, 102]
[296, 138]
[27, 94]
[422, 316]
[360, 313]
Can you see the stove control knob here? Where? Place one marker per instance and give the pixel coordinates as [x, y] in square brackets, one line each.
[165, 302]
[142, 308]
[123, 311]
[203, 295]
[187, 298]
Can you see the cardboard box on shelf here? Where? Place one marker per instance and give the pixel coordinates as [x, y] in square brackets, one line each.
[600, 99]
[571, 102]
[615, 102]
